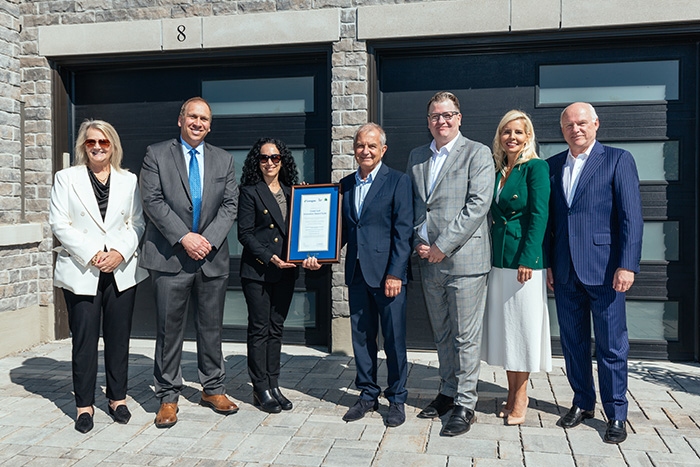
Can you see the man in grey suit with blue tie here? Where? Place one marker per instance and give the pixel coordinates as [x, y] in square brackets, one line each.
[453, 180]
[190, 195]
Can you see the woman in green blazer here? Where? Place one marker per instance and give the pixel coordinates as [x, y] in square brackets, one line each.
[516, 323]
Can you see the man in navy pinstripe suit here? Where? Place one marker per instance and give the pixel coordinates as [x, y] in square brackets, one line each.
[594, 252]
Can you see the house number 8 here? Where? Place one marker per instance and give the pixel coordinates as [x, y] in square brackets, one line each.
[181, 33]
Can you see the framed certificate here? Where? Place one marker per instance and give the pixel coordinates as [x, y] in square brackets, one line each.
[314, 223]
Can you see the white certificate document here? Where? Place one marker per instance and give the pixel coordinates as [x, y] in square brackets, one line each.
[314, 222]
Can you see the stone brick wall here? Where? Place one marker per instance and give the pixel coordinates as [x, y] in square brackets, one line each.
[25, 269]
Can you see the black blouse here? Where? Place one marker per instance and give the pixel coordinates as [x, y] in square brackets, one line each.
[101, 192]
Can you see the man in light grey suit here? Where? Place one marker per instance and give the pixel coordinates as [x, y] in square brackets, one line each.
[190, 195]
[453, 179]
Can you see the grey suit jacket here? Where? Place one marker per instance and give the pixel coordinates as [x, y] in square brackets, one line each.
[456, 210]
[165, 190]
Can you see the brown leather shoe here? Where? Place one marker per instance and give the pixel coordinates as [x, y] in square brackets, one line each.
[167, 415]
[219, 403]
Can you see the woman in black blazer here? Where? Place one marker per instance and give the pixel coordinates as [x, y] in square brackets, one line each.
[269, 172]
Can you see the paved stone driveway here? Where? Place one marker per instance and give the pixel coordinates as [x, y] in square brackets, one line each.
[37, 410]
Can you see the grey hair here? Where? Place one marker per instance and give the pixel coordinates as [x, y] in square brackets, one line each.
[591, 111]
[366, 128]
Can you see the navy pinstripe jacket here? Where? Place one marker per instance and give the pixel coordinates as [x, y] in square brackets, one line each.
[602, 230]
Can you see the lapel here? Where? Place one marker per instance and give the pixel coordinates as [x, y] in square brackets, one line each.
[452, 157]
[374, 188]
[595, 159]
[511, 185]
[82, 186]
[117, 195]
[270, 203]
[179, 159]
[350, 199]
[423, 173]
[557, 170]
[210, 169]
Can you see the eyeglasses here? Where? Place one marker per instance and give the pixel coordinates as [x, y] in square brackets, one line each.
[275, 158]
[91, 143]
[446, 115]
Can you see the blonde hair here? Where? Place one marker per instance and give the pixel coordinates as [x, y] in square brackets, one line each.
[81, 157]
[528, 152]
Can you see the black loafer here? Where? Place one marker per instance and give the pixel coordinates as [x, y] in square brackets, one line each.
[575, 416]
[616, 432]
[285, 403]
[438, 407]
[361, 407]
[397, 414]
[266, 402]
[84, 423]
[460, 421]
[121, 414]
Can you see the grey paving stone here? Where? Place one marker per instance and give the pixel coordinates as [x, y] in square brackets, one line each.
[314, 447]
[599, 461]
[659, 459]
[481, 430]
[510, 450]
[392, 459]
[373, 433]
[403, 443]
[636, 458]
[26, 436]
[546, 458]
[493, 462]
[342, 456]
[462, 445]
[338, 430]
[643, 442]
[588, 442]
[168, 446]
[545, 443]
[251, 449]
[8, 451]
[298, 460]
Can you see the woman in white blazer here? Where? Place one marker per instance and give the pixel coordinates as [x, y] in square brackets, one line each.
[96, 214]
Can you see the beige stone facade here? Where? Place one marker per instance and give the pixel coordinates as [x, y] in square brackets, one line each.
[34, 32]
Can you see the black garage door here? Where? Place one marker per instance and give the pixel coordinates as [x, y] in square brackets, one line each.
[644, 88]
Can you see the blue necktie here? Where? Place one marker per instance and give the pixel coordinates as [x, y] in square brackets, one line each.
[195, 190]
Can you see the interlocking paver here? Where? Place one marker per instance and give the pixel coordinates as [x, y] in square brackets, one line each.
[37, 413]
[392, 459]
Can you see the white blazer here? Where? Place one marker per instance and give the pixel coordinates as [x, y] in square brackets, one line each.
[76, 222]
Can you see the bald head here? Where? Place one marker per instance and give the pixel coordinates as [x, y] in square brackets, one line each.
[579, 125]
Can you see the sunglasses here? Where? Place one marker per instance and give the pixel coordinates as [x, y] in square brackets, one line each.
[91, 143]
[275, 158]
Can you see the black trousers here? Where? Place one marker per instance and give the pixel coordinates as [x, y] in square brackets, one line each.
[84, 312]
[268, 306]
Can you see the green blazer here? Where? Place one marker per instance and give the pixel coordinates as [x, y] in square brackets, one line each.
[520, 216]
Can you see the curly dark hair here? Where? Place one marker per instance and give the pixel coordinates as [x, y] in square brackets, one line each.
[251, 167]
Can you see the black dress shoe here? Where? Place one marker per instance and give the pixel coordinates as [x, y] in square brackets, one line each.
[361, 407]
[616, 432]
[84, 423]
[438, 407]
[575, 416]
[121, 414]
[460, 421]
[266, 401]
[285, 403]
[397, 414]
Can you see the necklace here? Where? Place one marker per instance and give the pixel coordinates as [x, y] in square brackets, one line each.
[104, 179]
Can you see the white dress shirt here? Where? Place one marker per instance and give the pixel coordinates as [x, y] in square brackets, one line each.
[572, 172]
[362, 187]
[436, 162]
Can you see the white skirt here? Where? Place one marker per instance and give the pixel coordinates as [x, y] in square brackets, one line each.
[516, 322]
